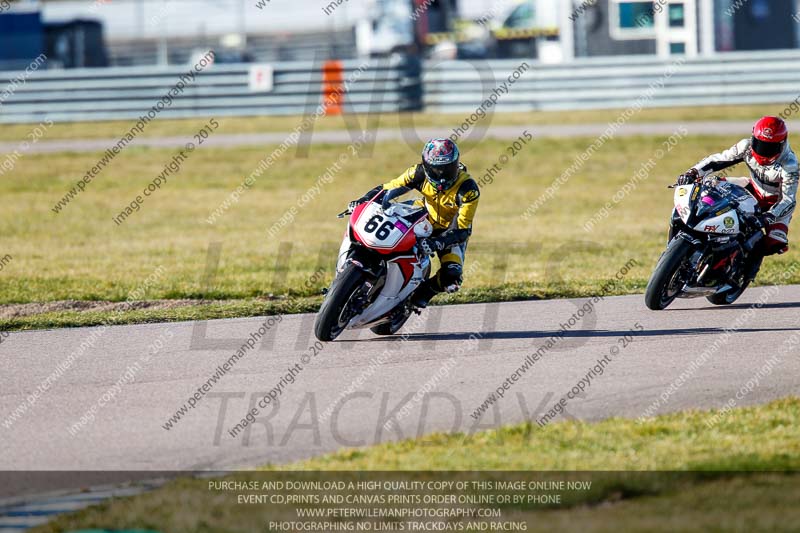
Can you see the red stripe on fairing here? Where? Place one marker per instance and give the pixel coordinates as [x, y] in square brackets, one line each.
[402, 227]
[406, 265]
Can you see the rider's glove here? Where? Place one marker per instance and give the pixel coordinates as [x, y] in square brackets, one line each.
[352, 205]
[430, 246]
[690, 176]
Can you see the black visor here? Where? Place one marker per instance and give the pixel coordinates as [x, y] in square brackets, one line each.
[442, 176]
[767, 149]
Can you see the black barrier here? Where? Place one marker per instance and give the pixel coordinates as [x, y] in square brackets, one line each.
[411, 88]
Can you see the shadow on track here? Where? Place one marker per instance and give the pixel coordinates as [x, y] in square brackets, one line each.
[515, 335]
[777, 305]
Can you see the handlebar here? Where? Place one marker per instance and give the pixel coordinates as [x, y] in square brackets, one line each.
[704, 179]
[344, 213]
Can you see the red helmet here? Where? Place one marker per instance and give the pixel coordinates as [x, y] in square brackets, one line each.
[769, 139]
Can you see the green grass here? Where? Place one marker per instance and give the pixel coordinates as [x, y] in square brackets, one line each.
[203, 310]
[754, 438]
[81, 254]
[719, 481]
[238, 125]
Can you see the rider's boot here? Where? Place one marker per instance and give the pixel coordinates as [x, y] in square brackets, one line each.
[424, 293]
[753, 265]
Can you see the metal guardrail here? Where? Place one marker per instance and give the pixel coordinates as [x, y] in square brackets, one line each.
[402, 84]
[306, 46]
[222, 90]
[615, 82]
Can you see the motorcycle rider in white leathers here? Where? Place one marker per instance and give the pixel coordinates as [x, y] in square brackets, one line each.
[773, 180]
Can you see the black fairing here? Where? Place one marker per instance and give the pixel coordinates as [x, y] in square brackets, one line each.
[723, 255]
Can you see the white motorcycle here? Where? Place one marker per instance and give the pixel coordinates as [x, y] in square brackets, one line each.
[379, 268]
[715, 227]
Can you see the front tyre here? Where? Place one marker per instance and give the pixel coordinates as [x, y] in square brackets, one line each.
[336, 310]
[666, 282]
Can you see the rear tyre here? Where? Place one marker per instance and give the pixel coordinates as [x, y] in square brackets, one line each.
[665, 283]
[727, 297]
[391, 327]
[749, 271]
[333, 315]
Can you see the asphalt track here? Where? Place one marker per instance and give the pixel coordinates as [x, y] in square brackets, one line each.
[414, 136]
[128, 432]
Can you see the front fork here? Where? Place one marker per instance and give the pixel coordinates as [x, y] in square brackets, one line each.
[344, 249]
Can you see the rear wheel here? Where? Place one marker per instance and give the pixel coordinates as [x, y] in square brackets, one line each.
[393, 326]
[666, 281]
[727, 297]
[731, 295]
[337, 308]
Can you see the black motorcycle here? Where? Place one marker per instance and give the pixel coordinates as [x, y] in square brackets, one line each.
[715, 230]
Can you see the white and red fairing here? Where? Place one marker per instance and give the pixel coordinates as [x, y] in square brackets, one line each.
[392, 232]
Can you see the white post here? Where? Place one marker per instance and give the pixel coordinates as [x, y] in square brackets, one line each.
[687, 34]
[565, 30]
[707, 46]
[242, 24]
[660, 25]
[163, 47]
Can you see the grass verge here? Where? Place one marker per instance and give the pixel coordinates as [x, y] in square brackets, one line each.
[720, 475]
[285, 305]
[81, 254]
[243, 125]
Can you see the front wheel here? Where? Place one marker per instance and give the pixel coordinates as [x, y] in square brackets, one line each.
[336, 310]
[666, 282]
